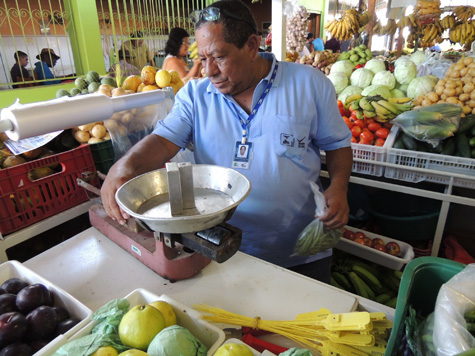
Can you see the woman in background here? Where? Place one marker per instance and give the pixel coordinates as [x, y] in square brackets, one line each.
[176, 50]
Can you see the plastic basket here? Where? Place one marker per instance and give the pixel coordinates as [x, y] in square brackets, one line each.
[370, 153]
[103, 154]
[420, 284]
[433, 161]
[24, 202]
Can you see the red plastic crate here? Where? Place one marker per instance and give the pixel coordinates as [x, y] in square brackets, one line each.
[24, 202]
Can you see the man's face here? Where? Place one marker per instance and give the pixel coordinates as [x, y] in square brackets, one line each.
[226, 66]
[50, 60]
[23, 61]
[242, 150]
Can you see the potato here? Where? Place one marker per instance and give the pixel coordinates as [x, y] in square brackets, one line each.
[98, 131]
[467, 61]
[468, 88]
[117, 92]
[433, 97]
[94, 140]
[82, 136]
[466, 109]
[87, 127]
[464, 97]
[449, 92]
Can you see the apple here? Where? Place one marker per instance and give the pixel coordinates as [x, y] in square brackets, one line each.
[360, 234]
[350, 235]
[393, 248]
[380, 247]
[368, 241]
[360, 240]
[377, 241]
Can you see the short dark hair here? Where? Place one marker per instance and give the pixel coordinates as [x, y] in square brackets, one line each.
[235, 31]
[19, 54]
[309, 35]
[175, 40]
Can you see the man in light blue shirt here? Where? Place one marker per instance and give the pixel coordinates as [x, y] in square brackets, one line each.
[295, 119]
[48, 60]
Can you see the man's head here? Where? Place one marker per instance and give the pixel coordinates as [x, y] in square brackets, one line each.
[21, 58]
[228, 45]
[48, 56]
[137, 38]
[310, 37]
[242, 150]
[177, 43]
[124, 55]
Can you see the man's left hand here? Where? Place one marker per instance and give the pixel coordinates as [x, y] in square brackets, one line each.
[338, 210]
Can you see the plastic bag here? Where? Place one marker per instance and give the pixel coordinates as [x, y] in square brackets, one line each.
[316, 237]
[434, 64]
[455, 298]
[130, 126]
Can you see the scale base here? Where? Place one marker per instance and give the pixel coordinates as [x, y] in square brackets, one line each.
[173, 264]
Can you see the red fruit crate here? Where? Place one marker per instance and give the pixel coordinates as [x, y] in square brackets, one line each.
[24, 201]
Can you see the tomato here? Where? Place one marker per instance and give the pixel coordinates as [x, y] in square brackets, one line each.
[340, 103]
[343, 111]
[356, 131]
[359, 123]
[364, 142]
[353, 139]
[382, 132]
[366, 136]
[348, 122]
[387, 125]
[353, 115]
[379, 142]
[373, 126]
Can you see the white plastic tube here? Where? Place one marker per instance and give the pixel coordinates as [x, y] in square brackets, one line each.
[21, 121]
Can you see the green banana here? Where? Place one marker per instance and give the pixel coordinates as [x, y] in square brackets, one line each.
[393, 283]
[365, 104]
[397, 274]
[352, 98]
[389, 106]
[380, 110]
[369, 268]
[335, 283]
[383, 298]
[392, 303]
[370, 279]
[343, 281]
[369, 114]
[362, 289]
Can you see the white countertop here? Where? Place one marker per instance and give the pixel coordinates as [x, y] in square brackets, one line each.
[95, 270]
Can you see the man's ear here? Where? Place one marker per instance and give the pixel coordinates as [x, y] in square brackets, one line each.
[253, 43]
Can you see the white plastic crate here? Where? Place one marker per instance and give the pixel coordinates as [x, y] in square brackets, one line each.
[370, 152]
[210, 335]
[433, 161]
[15, 269]
[376, 256]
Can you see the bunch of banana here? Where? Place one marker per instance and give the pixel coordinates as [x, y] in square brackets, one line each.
[431, 33]
[409, 21]
[448, 22]
[463, 33]
[464, 13]
[349, 25]
[390, 28]
[425, 9]
[193, 49]
[383, 110]
[367, 280]
[377, 27]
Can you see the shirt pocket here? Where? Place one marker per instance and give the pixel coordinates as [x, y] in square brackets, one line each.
[291, 136]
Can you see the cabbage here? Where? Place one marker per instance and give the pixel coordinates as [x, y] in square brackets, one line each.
[405, 72]
[397, 93]
[386, 78]
[401, 60]
[344, 66]
[418, 57]
[339, 80]
[421, 85]
[375, 65]
[361, 77]
[377, 89]
[349, 90]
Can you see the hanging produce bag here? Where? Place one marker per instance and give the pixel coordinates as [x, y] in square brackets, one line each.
[316, 237]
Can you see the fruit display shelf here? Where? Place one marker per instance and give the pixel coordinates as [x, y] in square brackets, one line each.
[14, 269]
[210, 335]
[406, 253]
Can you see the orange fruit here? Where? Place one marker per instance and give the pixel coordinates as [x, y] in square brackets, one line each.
[132, 82]
[140, 87]
[148, 75]
[150, 87]
[163, 78]
[175, 76]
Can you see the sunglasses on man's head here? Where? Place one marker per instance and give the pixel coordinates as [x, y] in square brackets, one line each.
[214, 14]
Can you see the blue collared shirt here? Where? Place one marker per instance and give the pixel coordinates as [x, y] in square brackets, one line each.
[44, 72]
[298, 117]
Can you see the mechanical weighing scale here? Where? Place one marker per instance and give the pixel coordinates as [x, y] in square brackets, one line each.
[178, 213]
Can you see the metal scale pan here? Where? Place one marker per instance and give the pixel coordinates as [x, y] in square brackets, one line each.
[206, 196]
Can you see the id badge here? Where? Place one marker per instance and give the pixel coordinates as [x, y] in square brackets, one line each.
[242, 155]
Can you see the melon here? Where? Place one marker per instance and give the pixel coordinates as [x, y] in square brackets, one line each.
[93, 76]
[81, 83]
[62, 92]
[109, 81]
[93, 87]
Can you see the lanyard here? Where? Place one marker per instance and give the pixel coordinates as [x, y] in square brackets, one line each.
[245, 124]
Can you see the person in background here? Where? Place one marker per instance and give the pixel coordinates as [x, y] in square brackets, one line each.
[140, 55]
[250, 98]
[333, 44]
[309, 43]
[345, 45]
[48, 60]
[124, 66]
[18, 72]
[318, 44]
[176, 50]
